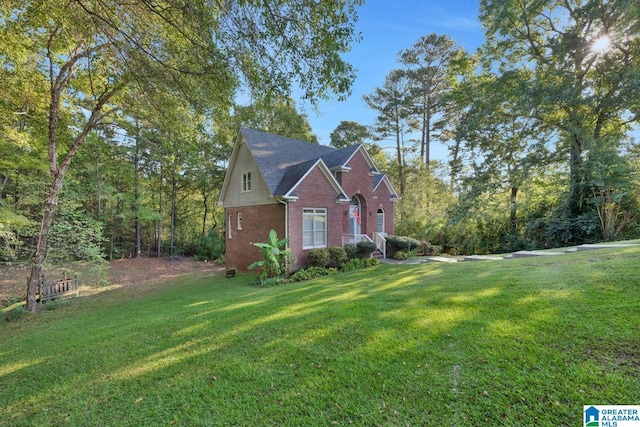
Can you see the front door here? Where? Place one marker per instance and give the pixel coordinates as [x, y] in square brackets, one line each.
[355, 220]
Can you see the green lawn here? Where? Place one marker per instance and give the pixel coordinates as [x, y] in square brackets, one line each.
[518, 342]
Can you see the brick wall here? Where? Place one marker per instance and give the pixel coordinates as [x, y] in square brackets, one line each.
[257, 221]
[315, 192]
[383, 202]
[358, 182]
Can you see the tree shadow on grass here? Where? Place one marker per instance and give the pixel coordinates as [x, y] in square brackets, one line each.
[459, 344]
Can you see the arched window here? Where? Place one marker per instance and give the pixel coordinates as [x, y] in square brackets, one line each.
[380, 221]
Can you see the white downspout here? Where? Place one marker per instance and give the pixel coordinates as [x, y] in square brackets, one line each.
[286, 221]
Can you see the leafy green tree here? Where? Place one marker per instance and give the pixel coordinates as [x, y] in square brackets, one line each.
[426, 65]
[502, 147]
[22, 114]
[613, 192]
[580, 61]
[91, 53]
[425, 203]
[275, 115]
[458, 103]
[394, 120]
[349, 133]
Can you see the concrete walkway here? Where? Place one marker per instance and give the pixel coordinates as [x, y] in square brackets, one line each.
[519, 254]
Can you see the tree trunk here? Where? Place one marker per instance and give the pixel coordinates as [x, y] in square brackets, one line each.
[423, 137]
[513, 211]
[59, 84]
[99, 186]
[173, 214]
[138, 253]
[400, 161]
[205, 203]
[136, 192]
[455, 165]
[427, 141]
[159, 221]
[40, 253]
[3, 182]
[576, 180]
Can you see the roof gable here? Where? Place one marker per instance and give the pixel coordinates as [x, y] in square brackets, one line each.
[379, 178]
[339, 158]
[276, 154]
[284, 162]
[296, 174]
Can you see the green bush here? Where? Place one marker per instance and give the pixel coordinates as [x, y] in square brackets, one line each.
[358, 263]
[351, 251]
[365, 249]
[211, 246]
[400, 255]
[268, 282]
[311, 273]
[337, 256]
[400, 243]
[319, 257]
[13, 314]
[370, 262]
[75, 236]
[426, 248]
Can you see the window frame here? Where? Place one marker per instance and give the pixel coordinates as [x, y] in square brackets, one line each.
[380, 214]
[314, 213]
[239, 221]
[246, 182]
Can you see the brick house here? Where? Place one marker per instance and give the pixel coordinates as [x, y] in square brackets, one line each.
[315, 195]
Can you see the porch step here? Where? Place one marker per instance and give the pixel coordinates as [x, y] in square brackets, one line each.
[377, 254]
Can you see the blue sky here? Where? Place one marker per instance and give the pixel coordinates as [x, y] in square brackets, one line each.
[386, 28]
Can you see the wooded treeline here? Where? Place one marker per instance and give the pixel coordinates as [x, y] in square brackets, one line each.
[540, 125]
[138, 97]
[117, 119]
[136, 189]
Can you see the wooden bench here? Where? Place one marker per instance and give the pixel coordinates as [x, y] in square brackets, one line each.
[57, 289]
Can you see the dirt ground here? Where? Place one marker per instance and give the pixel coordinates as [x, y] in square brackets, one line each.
[124, 272]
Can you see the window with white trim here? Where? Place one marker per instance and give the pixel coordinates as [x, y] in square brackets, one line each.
[229, 226]
[314, 228]
[380, 221]
[239, 222]
[246, 182]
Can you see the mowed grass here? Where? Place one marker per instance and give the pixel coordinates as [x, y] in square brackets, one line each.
[518, 342]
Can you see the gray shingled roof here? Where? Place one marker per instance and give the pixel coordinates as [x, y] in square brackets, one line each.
[339, 157]
[292, 175]
[377, 177]
[284, 161]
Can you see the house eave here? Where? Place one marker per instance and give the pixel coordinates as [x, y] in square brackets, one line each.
[341, 168]
[342, 199]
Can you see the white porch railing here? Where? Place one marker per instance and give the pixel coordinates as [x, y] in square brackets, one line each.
[381, 243]
[354, 239]
[378, 238]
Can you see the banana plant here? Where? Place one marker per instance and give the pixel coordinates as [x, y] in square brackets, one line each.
[274, 256]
